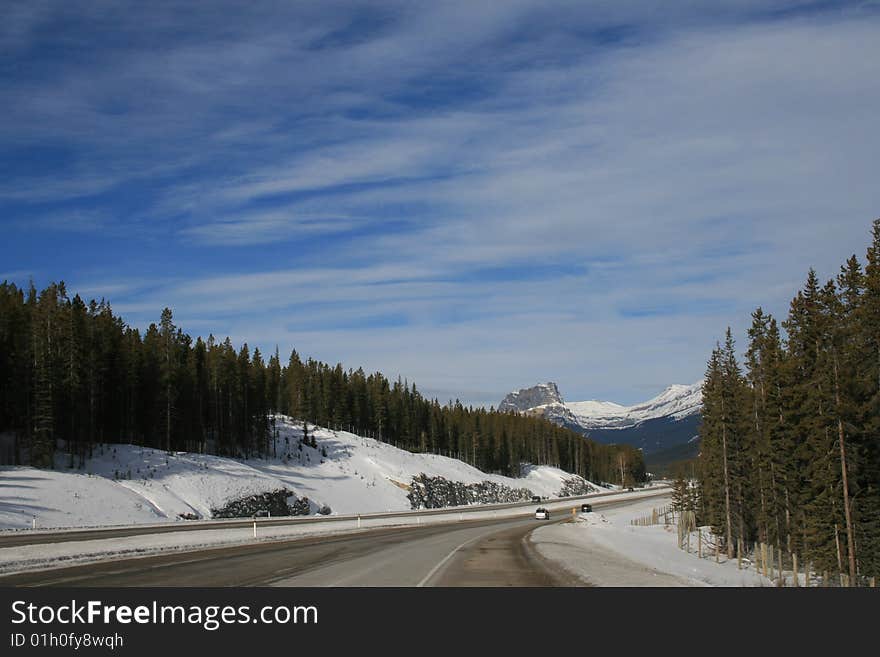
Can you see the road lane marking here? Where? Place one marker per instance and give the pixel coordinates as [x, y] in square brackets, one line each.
[445, 560]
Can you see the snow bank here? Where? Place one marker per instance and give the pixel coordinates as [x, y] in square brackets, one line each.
[66, 499]
[603, 534]
[125, 484]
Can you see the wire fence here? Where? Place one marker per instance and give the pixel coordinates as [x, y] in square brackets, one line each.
[781, 567]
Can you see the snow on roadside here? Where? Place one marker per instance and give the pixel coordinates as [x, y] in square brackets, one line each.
[42, 556]
[603, 534]
[63, 499]
[128, 484]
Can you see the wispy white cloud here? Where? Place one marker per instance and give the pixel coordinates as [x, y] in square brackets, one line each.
[271, 226]
[670, 169]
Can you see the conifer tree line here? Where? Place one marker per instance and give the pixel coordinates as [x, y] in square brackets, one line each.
[790, 438]
[74, 374]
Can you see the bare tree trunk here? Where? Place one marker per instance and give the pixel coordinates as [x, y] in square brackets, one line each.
[775, 503]
[837, 544]
[850, 543]
[763, 524]
[729, 536]
[787, 520]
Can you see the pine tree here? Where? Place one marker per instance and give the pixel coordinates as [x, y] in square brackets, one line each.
[842, 353]
[167, 335]
[43, 326]
[867, 411]
[722, 432]
[734, 429]
[758, 447]
[713, 484]
[201, 376]
[679, 494]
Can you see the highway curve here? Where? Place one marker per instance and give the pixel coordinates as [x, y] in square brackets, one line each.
[472, 553]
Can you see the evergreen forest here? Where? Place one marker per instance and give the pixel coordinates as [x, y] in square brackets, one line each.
[73, 374]
[790, 434]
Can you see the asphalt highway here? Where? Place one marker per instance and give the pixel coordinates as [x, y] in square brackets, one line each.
[486, 552]
[28, 537]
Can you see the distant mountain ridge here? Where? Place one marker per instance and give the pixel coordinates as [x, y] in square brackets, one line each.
[671, 418]
[676, 402]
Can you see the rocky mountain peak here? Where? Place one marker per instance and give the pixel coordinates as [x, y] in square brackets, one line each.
[527, 399]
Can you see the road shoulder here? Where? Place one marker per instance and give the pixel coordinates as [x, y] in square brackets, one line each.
[568, 547]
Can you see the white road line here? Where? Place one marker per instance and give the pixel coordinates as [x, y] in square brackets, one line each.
[445, 560]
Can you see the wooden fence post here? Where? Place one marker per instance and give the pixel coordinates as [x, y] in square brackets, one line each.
[794, 568]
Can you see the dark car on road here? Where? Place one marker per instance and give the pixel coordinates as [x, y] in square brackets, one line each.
[586, 508]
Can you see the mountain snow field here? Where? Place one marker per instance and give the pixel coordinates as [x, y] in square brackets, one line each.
[128, 484]
[677, 401]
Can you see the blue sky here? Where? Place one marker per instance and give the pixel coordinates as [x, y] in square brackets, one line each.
[477, 196]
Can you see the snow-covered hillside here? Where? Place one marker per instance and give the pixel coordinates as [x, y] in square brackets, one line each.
[124, 484]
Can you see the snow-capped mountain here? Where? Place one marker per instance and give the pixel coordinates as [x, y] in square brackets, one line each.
[675, 402]
[669, 419]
